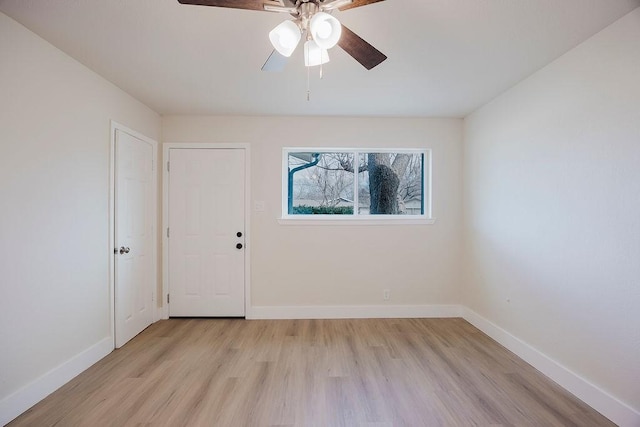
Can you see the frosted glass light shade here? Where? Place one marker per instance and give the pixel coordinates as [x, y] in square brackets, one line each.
[314, 54]
[325, 30]
[285, 38]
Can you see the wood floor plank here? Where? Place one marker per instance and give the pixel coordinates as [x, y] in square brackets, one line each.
[363, 372]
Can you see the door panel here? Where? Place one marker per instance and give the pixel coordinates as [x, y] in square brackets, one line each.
[206, 211]
[134, 234]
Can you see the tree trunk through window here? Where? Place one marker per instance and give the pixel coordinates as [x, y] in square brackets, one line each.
[384, 180]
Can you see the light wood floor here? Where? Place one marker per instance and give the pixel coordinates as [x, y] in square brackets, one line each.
[383, 372]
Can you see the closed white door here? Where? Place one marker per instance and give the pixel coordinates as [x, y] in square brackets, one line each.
[206, 232]
[133, 236]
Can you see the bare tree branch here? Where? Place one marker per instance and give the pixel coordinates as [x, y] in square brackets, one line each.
[400, 163]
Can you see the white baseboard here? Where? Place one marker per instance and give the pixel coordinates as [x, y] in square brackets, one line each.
[612, 408]
[353, 311]
[23, 399]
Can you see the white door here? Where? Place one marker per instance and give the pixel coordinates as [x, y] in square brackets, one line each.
[133, 236]
[206, 232]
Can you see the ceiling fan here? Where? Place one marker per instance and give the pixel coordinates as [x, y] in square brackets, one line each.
[313, 19]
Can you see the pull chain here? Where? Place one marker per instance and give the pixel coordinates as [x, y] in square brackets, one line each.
[308, 83]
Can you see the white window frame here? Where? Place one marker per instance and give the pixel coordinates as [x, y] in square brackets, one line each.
[356, 219]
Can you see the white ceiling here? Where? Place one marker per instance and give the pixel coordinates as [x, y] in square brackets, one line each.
[446, 57]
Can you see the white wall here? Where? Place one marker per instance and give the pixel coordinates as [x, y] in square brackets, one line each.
[293, 266]
[54, 222]
[552, 211]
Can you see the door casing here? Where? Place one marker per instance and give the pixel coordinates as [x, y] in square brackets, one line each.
[165, 217]
[112, 215]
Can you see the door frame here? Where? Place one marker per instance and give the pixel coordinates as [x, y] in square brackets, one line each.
[165, 216]
[115, 126]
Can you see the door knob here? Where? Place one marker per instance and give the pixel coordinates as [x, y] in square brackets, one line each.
[124, 250]
[239, 246]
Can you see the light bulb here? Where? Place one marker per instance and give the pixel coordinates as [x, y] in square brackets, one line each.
[314, 54]
[325, 30]
[285, 37]
[287, 40]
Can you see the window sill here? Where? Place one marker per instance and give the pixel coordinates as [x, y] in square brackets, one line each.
[335, 220]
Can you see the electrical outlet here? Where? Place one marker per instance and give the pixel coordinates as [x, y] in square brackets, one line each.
[386, 294]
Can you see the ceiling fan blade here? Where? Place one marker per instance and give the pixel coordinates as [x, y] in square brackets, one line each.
[360, 50]
[275, 62]
[358, 3]
[237, 4]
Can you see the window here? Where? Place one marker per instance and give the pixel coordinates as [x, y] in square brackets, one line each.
[356, 184]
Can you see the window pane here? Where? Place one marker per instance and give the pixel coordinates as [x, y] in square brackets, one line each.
[364, 198]
[391, 184]
[320, 183]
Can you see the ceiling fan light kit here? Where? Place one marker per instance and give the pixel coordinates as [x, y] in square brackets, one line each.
[323, 32]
